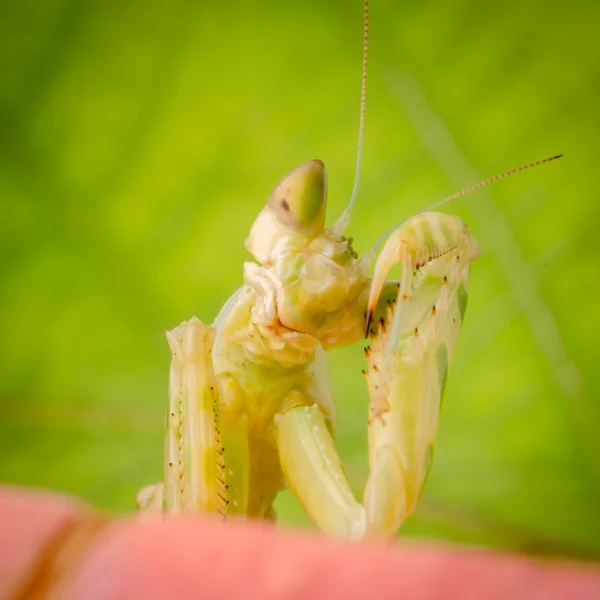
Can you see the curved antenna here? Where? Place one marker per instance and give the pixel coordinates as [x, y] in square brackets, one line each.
[466, 191]
[340, 225]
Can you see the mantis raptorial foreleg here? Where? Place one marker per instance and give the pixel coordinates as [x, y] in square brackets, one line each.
[194, 478]
[408, 363]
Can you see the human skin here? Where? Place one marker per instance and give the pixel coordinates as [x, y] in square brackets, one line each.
[53, 546]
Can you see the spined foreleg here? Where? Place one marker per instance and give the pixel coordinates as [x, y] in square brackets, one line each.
[408, 362]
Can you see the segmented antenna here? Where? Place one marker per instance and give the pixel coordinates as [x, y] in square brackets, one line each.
[466, 191]
[485, 182]
[340, 225]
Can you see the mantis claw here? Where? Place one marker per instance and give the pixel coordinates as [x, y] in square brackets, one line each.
[411, 348]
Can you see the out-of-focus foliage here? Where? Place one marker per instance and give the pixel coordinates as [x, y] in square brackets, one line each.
[137, 143]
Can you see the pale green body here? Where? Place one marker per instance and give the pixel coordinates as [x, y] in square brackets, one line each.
[250, 408]
[252, 398]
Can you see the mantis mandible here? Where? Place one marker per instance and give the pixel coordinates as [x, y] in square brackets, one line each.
[250, 409]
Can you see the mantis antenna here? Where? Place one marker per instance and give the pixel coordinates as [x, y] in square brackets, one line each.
[466, 191]
[340, 225]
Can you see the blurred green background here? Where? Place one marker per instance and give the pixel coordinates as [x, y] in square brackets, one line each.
[137, 144]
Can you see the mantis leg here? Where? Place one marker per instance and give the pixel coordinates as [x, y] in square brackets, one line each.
[408, 363]
[204, 418]
[194, 465]
[233, 432]
[412, 347]
[193, 477]
[149, 500]
[313, 471]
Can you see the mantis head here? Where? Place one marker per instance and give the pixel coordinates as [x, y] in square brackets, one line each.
[295, 209]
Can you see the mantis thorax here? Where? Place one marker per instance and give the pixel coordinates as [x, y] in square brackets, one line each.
[310, 281]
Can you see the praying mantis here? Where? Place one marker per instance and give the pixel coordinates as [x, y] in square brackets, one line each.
[250, 410]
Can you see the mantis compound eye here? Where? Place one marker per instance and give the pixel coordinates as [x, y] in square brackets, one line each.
[299, 199]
